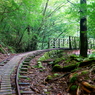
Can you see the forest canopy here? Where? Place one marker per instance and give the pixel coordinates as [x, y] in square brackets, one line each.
[27, 25]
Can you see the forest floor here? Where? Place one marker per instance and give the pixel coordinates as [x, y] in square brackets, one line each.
[45, 81]
[5, 56]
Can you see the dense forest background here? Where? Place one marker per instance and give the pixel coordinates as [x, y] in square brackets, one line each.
[27, 25]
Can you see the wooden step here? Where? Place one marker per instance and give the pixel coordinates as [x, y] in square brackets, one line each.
[27, 60]
[23, 77]
[25, 63]
[23, 69]
[24, 66]
[24, 84]
[26, 92]
[23, 72]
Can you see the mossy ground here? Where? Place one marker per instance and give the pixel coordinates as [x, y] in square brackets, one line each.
[60, 82]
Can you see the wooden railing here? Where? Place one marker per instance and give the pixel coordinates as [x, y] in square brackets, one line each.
[70, 42]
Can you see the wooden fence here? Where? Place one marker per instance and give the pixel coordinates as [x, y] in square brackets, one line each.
[70, 42]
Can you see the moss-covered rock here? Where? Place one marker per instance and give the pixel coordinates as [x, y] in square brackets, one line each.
[57, 68]
[69, 67]
[73, 56]
[57, 60]
[76, 57]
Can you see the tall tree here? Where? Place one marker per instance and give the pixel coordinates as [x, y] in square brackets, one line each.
[83, 29]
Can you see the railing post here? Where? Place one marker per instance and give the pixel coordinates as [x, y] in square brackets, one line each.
[75, 42]
[70, 47]
[48, 42]
[58, 43]
[54, 43]
[63, 42]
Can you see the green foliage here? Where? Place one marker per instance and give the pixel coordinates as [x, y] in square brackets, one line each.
[73, 87]
[25, 25]
[74, 56]
[44, 57]
[56, 74]
[39, 65]
[41, 70]
[57, 60]
[74, 78]
[84, 72]
[28, 79]
[47, 92]
[51, 54]
[21, 91]
[49, 77]
[92, 55]
[11, 49]
[76, 69]
[2, 51]
[15, 20]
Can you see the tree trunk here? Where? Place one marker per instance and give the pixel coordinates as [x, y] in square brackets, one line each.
[83, 30]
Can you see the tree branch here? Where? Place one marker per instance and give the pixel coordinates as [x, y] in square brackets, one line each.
[55, 10]
[60, 34]
[44, 12]
[45, 8]
[70, 2]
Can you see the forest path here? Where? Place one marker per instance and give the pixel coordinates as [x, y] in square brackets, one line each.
[7, 69]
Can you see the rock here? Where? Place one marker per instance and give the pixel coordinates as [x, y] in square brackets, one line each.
[57, 68]
[45, 90]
